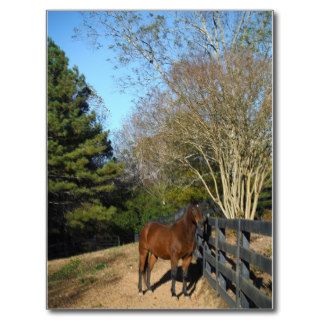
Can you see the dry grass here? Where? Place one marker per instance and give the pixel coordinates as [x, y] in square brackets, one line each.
[210, 297]
[69, 279]
[107, 279]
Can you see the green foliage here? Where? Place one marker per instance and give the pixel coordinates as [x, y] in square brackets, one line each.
[89, 212]
[265, 199]
[81, 172]
[180, 197]
[68, 271]
[142, 208]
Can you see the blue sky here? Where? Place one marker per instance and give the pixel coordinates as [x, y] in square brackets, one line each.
[92, 63]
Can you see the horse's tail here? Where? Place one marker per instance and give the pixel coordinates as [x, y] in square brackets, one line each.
[143, 252]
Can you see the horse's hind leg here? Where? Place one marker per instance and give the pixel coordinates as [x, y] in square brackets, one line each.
[152, 261]
[174, 270]
[143, 254]
[185, 265]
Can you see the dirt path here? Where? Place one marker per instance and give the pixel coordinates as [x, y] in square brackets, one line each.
[116, 286]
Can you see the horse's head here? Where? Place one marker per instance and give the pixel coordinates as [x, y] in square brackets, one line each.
[196, 213]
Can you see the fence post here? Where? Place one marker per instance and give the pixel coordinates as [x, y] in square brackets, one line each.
[217, 254]
[207, 229]
[245, 267]
[204, 257]
[222, 257]
[238, 265]
[206, 235]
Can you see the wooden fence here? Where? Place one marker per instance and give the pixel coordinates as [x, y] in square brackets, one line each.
[213, 251]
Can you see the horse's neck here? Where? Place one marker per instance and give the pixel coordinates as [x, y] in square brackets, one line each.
[189, 226]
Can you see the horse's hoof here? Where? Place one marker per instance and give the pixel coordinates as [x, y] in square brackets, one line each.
[149, 291]
[187, 296]
[175, 297]
[140, 293]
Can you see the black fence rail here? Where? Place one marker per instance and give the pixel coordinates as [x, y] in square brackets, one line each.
[213, 251]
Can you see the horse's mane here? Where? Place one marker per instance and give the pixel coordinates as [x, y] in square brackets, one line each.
[186, 211]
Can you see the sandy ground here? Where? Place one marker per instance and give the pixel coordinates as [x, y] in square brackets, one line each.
[115, 287]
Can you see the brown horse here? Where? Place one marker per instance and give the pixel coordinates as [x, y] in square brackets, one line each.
[169, 242]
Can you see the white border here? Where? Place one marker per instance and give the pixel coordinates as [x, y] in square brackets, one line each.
[22, 133]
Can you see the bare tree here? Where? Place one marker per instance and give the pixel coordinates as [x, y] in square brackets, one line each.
[138, 146]
[223, 114]
[216, 122]
[212, 112]
[150, 42]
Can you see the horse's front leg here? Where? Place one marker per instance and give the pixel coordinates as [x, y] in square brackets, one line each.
[174, 270]
[185, 265]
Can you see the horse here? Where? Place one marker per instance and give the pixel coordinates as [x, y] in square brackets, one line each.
[169, 242]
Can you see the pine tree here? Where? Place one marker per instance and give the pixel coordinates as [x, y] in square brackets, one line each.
[81, 171]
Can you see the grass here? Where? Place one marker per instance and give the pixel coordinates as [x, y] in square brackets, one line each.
[108, 279]
[78, 269]
[100, 266]
[268, 252]
[67, 271]
[70, 278]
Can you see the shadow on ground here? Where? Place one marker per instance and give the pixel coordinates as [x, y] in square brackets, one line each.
[194, 275]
